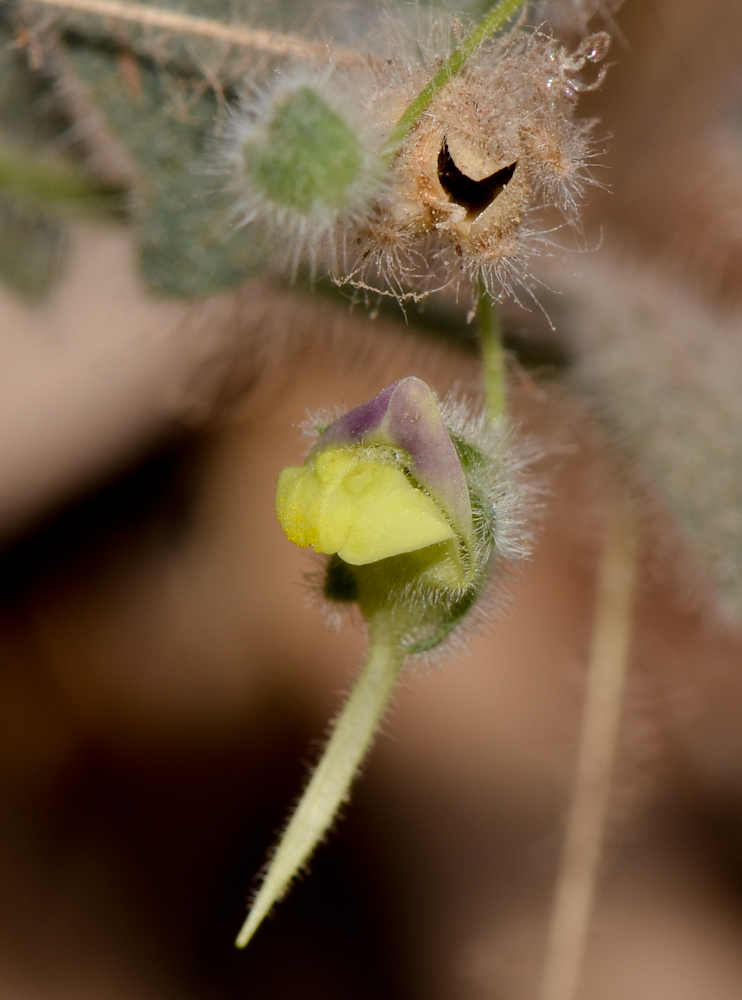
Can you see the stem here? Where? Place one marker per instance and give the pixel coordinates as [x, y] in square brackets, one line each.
[49, 184]
[328, 787]
[203, 27]
[281, 44]
[458, 58]
[606, 677]
[493, 355]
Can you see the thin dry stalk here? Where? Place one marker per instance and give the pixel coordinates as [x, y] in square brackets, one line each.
[609, 659]
[239, 35]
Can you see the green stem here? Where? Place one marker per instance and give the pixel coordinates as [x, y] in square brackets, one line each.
[493, 356]
[54, 185]
[351, 737]
[412, 114]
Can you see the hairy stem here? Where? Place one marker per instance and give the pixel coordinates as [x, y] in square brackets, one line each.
[203, 27]
[455, 62]
[609, 658]
[328, 787]
[493, 356]
[284, 44]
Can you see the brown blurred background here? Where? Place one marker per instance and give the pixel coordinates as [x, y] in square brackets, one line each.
[163, 683]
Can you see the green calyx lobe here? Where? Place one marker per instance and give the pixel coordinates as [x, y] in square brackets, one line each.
[469, 456]
[308, 156]
[412, 593]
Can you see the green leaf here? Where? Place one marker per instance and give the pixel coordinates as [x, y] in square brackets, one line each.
[186, 247]
[32, 240]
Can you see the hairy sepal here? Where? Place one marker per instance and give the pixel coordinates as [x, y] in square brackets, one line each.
[302, 165]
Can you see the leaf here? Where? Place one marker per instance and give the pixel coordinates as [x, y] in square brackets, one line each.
[186, 247]
[661, 370]
[32, 240]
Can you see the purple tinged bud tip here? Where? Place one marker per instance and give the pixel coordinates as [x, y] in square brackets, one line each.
[406, 415]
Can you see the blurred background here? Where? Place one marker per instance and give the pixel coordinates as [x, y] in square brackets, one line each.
[165, 681]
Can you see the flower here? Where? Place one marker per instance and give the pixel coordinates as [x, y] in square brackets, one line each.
[413, 501]
[381, 481]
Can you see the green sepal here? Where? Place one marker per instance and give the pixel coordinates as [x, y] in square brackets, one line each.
[452, 617]
[308, 157]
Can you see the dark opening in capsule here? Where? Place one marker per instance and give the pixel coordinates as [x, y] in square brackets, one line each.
[475, 196]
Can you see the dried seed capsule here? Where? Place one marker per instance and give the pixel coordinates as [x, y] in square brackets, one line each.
[497, 144]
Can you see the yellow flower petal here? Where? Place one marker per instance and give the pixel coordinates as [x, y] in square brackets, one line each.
[364, 510]
[389, 515]
[312, 505]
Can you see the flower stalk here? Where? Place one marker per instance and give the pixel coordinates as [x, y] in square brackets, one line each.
[53, 184]
[493, 355]
[351, 738]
